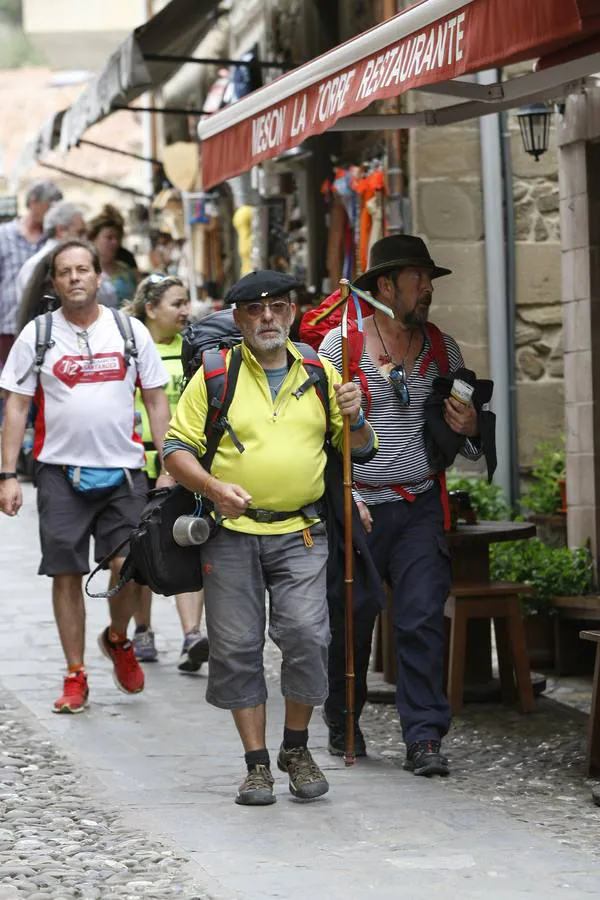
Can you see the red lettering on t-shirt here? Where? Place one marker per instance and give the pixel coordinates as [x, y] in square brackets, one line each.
[74, 370]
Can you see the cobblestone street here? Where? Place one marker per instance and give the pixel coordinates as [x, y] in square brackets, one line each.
[528, 766]
[57, 838]
[133, 799]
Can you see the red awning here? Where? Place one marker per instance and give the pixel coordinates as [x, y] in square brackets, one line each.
[429, 44]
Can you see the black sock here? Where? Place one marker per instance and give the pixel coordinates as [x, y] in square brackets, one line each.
[257, 758]
[294, 739]
[140, 629]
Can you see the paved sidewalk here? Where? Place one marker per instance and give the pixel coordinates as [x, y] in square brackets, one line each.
[169, 763]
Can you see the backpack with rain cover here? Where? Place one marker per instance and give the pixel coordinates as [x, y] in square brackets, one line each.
[215, 331]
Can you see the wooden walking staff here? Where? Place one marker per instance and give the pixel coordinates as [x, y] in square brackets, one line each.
[349, 756]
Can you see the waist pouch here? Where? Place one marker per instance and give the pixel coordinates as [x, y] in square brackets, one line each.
[95, 482]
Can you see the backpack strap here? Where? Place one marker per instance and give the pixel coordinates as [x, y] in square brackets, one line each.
[437, 351]
[439, 354]
[356, 344]
[317, 377]
[43, 342]
[220, 381]
[126, 331]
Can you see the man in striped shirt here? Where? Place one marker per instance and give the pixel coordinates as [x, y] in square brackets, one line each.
[399, 502]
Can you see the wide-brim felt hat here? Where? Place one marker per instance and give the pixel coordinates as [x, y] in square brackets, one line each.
[395, 252]
[260, 284]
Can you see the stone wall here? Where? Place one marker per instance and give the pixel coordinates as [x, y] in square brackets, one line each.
[446, 200]
[446, 195]
[539, 319]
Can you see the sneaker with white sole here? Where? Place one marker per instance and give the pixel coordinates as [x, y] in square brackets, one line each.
[194, 652]
[144, 646]
[74, 697]
[127, 672]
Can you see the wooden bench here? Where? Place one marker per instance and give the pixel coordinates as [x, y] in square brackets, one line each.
[499, 602]
[592, 760]
[570, 614]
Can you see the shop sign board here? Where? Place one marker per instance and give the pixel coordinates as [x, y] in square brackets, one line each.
[475, 35]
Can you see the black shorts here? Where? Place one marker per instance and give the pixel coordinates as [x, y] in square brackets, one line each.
[67, 520]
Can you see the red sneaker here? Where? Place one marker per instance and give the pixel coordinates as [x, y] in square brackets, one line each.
[127, 672]
[75, 694]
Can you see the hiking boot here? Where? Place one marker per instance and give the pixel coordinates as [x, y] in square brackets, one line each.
[257, 788]
[307, 782]
[143, 644]
[193, 653]
[336, 743]
[425, 758]
[127, 672]
[75, 694]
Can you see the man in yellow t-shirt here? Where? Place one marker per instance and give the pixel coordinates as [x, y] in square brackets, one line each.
[266, 479]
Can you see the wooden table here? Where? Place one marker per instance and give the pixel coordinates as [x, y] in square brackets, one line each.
[470, 554]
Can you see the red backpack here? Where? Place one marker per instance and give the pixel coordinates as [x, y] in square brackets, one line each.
[315, 325]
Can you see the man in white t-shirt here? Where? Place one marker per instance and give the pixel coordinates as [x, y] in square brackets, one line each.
[84, 425]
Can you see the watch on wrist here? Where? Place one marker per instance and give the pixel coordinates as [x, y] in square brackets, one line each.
[356, 426]
[4, 476]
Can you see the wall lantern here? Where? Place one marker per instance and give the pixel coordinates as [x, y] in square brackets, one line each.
[534, 122]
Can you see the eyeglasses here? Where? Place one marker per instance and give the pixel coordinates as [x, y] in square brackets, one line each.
[255, 310]
[399, 382]
[83, 343]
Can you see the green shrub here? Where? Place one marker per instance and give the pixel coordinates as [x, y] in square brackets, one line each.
[542, 495]
[551, 571]
[487, 500]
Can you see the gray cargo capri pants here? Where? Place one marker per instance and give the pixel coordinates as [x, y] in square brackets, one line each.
[238, 569]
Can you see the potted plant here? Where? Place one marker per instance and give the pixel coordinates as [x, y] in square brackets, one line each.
[544, 500]
[551, 572]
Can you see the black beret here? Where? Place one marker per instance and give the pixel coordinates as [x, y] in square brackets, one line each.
[259, 284]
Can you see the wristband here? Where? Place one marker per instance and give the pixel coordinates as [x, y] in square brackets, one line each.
[359, 422]
[4, 476]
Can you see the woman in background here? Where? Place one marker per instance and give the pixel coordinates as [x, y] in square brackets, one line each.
[106, 231]
[162, 303]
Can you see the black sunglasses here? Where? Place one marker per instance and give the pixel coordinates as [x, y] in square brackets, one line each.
[398, 381]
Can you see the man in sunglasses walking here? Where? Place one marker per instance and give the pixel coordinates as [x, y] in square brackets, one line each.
[399, 500]
[266, 479]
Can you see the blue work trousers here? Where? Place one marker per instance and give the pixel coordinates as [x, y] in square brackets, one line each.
[410, 550]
